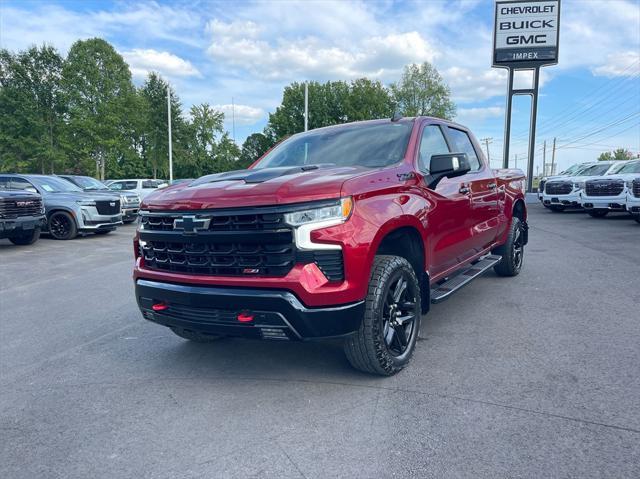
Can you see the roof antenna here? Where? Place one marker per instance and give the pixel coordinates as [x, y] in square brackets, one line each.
[397, 116]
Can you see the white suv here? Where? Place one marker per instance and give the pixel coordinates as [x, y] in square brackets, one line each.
[609, 193]
[571, 171]
[140, 186]
[565, 192]
[633, 197]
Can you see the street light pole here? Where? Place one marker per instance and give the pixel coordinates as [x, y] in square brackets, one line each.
[306, 106]
[169, 125]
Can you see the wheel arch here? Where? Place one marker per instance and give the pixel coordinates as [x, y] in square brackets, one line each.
[63, 209]
[406, 242]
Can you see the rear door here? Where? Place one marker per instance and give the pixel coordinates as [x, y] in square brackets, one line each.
[448, 226]
[484, 219]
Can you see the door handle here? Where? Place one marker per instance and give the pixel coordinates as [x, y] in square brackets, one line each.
[492, 186]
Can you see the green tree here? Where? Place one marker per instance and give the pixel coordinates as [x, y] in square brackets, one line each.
[621, 154]
[422, 91]
[206, 124]
[100, 96]
[368, 100]
[155, 142]
[253, 148]
[31, 110]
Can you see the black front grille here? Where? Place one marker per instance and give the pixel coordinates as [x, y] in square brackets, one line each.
[221, 244]
[636, 188]
[604, 187]
[558, 188]
[108, 207]
[259, 244]
[16, 207]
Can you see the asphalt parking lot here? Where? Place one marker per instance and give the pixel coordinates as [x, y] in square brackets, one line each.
[537, 376]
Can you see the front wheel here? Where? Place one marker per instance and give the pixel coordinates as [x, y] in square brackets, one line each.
[598, 213]
[512, 251]
[386, 338]
[62, 226]
[26, 238]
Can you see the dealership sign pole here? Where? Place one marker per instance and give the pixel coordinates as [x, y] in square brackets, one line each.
[526, 34]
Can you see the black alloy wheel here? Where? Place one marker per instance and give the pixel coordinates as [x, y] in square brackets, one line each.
[398, 316]
[62, 226]
[512, 251]
[387, 336]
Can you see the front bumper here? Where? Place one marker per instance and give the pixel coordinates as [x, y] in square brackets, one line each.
[571, 200]
[612, 203]
[90, 220]
[130, 212]
[10, 227]
[277, 314]
[633, 204]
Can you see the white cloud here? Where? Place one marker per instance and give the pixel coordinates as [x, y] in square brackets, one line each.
[243, 114]
[619, 64]
[314, 58]
[142, 62]
[467, 115]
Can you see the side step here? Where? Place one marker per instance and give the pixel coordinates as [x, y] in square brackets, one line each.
[442, 291]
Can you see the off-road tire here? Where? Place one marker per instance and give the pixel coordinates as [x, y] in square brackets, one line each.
[195, 337]
[510, 265]
[598, 213]
[72, 230]
[367, 349]
[26, 239]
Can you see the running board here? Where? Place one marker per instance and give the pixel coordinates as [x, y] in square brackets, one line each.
[442, 291]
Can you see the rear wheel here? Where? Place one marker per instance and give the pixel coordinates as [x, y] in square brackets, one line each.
[26, 238]
[195, 337]
[387, 336]
[62, 226]
[512, 251]
[598, 213]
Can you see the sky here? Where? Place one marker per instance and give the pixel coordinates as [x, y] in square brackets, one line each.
[221, 52]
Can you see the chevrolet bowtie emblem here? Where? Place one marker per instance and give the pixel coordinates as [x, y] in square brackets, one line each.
[190, 225]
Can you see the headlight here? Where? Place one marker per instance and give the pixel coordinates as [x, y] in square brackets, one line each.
[86, 202]
[579, 185]
[339, 212]
[629, 184]
[309, 220]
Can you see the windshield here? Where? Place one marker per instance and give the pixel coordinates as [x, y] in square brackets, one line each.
[51, 184]
[88, 183]
[365, 144]
[573, 169]
[594, 170]
[631, 168]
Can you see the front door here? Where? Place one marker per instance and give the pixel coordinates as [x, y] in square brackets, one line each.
[448, 220]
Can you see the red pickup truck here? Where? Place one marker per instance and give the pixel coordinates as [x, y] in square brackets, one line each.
[348, 231]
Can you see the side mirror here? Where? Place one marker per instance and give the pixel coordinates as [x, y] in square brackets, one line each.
[448, 165]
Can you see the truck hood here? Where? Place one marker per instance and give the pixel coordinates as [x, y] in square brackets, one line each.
[256, 187]
[80, 195]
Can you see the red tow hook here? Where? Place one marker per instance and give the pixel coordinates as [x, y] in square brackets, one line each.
[245, 317]
[160, 306]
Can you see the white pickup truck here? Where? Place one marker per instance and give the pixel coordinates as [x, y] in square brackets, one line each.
[610, 193]
[564, 192]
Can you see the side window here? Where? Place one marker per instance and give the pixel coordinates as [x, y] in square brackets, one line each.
[462, 144]
[116, 185]
[432, 143]
[4, 183]
[130, 185]
[149, 184]
[22, 184]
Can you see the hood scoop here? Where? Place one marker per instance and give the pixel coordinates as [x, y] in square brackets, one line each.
[253, 176]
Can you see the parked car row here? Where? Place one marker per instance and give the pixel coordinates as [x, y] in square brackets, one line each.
[599, 188]
[66, 205]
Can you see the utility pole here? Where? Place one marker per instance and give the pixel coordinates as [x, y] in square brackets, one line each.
[544, 154]
[169, 124]
[306, 106]
[516, 161]
[487, 142]
[233, 118]
[553, 156]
